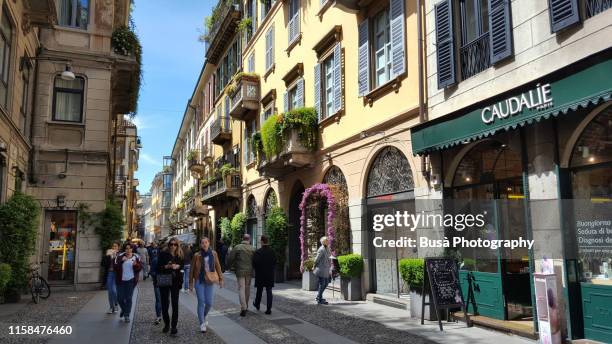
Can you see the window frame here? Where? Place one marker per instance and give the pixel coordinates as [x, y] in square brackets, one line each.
[387, 68]
[72, 91]
[292, 95]
[479, 15]
[327, 57]
[73, 17]
[269, 53]
[5, 68]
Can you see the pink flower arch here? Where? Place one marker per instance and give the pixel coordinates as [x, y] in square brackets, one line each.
[321, 190]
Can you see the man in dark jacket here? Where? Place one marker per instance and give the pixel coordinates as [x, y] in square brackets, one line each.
[264, 263]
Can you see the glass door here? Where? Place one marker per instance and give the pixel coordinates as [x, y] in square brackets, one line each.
[60, 255]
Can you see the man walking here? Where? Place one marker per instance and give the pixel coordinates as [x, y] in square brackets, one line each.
[264, 263]
[241, 261]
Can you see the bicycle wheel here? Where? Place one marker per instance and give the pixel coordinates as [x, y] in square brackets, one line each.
[35, 290]
[45, 289]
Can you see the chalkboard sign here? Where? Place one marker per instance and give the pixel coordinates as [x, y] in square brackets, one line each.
[441, 282]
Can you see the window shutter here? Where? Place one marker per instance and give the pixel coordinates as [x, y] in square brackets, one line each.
[500, 30]
[317, 90]
[363, 55]
[445, 47]
[337, 78]
[271, 46]
[563, 13]
[398, 40]
[286, 101]
[254, 15]
[300, 93]
[227, 109]
[245, 155]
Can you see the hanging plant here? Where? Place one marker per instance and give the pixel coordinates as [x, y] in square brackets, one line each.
[126, 42]
[257, 145]
[305, 121]
[227, 169]
[245, 24]
[321, 190]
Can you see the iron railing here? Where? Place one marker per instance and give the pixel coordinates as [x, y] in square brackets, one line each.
[220, 185]
[595, 7]
[475, 56]
[221, 125]
[223, 9]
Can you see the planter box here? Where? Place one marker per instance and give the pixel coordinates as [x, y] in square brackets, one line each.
[351, 288]
[310, 282]
[416, 300]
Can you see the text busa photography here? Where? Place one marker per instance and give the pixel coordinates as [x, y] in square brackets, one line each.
[306, 171]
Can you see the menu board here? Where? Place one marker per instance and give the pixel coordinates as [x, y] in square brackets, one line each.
[444, 281]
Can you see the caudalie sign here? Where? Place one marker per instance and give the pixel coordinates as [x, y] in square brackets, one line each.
[539, 98]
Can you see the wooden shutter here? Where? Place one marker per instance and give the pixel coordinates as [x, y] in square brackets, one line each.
[271, 46]
[500, 28]
[337, 78]
[286, 101]
[268, 49]
[300, 93]
[317, 90]
[245, 152]
[445, 47]
[563, 13]
[398, 38]
[363, 55]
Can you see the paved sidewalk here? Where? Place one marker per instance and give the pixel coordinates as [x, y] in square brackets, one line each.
[92, 325]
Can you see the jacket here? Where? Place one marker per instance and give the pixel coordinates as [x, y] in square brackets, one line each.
[322, 262]
[118, 268]
[166, 258]
[241, 259]
[196, 266]
[264, 263]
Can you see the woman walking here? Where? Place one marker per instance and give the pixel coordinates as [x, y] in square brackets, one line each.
[205, 272]
[127, 266]
[109, 276]
[169, 281]
[323, 269]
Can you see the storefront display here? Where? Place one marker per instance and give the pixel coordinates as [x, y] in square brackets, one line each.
[62, 229]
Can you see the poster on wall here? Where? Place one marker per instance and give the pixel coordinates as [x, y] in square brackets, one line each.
[549, 323]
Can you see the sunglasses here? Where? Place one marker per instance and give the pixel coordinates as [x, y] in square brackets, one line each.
[173, 244]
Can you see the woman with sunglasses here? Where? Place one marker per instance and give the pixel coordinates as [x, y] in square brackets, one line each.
[171, 262]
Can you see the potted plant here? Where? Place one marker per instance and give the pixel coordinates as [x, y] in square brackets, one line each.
[277, 226]
[351, 267]
[226, 171]
[411, 271]
[309, 280]
[192, 156]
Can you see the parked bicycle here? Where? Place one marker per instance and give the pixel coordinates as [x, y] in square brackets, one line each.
[38, 285]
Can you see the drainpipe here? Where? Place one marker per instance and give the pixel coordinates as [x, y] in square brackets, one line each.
[422, 102]
[32, 153]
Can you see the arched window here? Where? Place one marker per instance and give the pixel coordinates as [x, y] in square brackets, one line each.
[270, 202]
[337, 183]
[390, 173]
[251, 207]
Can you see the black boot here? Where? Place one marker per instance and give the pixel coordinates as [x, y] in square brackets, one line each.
[166, 328]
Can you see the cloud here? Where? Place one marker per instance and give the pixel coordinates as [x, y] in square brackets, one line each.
[149, 159]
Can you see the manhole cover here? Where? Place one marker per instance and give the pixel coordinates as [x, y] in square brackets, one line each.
[286, 321]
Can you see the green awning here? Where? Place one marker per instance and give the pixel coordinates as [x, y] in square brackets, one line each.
[591, 85]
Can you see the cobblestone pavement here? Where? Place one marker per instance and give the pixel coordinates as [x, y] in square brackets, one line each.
[340, 323]
[51, 312]
[144, 331]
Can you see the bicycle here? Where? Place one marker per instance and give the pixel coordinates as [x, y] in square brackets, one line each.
[38, 285]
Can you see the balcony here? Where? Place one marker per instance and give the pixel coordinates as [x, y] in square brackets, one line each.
[595, 7]
[222, 189]
[293, 156]
[40, 13]
[226, 17]
[194, 164]
[244, 102]
[194, 207]
[221, 131]
[475, 56]
[120, 190]
[353, 6]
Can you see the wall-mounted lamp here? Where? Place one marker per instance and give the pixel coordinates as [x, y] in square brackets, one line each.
[67, 74]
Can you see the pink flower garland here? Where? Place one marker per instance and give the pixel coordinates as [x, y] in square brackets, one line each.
[322, 190]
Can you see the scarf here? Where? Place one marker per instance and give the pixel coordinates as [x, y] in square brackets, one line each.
[211, 263]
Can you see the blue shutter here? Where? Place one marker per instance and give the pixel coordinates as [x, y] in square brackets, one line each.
[271, 46]
[337, 78]
[300, 93]
[254, 15]
[268, 44]
[445, 47]
[500, 29]
[363, 55]
[563, 13]
[286, 101]
[317, 89]
[398, 40]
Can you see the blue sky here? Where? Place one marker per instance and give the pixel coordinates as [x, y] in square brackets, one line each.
[172, 59]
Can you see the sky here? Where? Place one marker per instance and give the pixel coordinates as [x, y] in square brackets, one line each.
[172, 60]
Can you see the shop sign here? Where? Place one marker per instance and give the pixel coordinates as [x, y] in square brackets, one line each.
[539, 98]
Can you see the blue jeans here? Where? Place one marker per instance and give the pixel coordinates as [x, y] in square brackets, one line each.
[205, 294]
[157, 297]
[111, 287]
[125, 291]
[186, 269]
[323, 282]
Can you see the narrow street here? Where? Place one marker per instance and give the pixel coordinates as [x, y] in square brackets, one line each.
[294, 319]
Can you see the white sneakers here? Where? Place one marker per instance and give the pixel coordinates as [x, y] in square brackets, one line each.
[203, 327]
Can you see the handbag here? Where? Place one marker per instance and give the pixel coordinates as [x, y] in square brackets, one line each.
[164, 280]
[211, 277]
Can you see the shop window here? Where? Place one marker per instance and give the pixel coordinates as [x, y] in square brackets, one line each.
[488, 161]
[73, 13]
[68, 98]
[62, 233]
[6, 37]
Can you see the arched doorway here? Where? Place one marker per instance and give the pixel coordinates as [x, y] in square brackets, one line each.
[489, 180]
[337, 183]
[293, 243]
[389, 189]
[251, 225]
[270, 202]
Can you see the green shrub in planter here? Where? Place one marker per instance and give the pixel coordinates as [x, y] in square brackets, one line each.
[5, 276]
[308, 264]
[277, 226]
[411, 270]
[351, 265]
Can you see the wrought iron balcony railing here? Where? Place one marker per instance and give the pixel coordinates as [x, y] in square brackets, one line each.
[226, 17]
[245, 100]
[595, 7]
[475, 56]
[221, 130]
